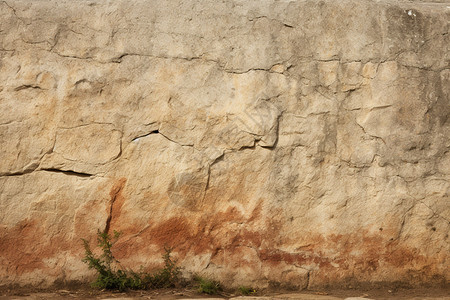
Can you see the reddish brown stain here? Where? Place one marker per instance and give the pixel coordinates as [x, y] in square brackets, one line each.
[172, 232]
[275, 256]
[360, 253]
[189, 235]
[116, 202]
[16, 246]
[399, 256]
[25, 246]
[249, 238]
[233, 239]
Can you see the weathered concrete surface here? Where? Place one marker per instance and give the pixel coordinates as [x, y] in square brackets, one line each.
[300, 143]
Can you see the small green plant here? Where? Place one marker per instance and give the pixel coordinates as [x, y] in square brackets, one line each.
[111, 277]
[167, 277]
[207, 286]
[244, 290]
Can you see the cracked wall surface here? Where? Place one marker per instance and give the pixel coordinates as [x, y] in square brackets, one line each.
[292, 143]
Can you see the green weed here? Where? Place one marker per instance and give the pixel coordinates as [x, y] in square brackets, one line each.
[207, 286]
[244, 290]
[108, 275]
[111, 277]
[167, 277]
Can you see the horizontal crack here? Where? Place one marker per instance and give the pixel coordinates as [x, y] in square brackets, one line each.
[67, 172]
[28, 86]
[20, 173]
[144, 135]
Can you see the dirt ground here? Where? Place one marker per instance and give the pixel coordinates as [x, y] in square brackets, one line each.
[11, 293]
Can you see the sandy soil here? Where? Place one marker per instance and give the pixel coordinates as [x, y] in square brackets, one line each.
[190, 293]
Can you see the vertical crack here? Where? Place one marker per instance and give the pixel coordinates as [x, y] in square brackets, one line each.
[108, 220]
[370, 135]
[308, 277]
[219, 158]
[115, 194]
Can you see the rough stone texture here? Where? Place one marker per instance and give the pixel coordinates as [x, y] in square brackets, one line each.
[300, 143]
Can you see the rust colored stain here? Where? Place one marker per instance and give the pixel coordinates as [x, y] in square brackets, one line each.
[358, 253]
[400, 256]
[232, 239]
[188, 235]
[23, 250]
[249, 238]
[116, 202]
[171, 232]
[24, 247]
[16, 246]
[275, 256]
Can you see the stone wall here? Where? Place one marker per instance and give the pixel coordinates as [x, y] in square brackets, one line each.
[301, 143]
